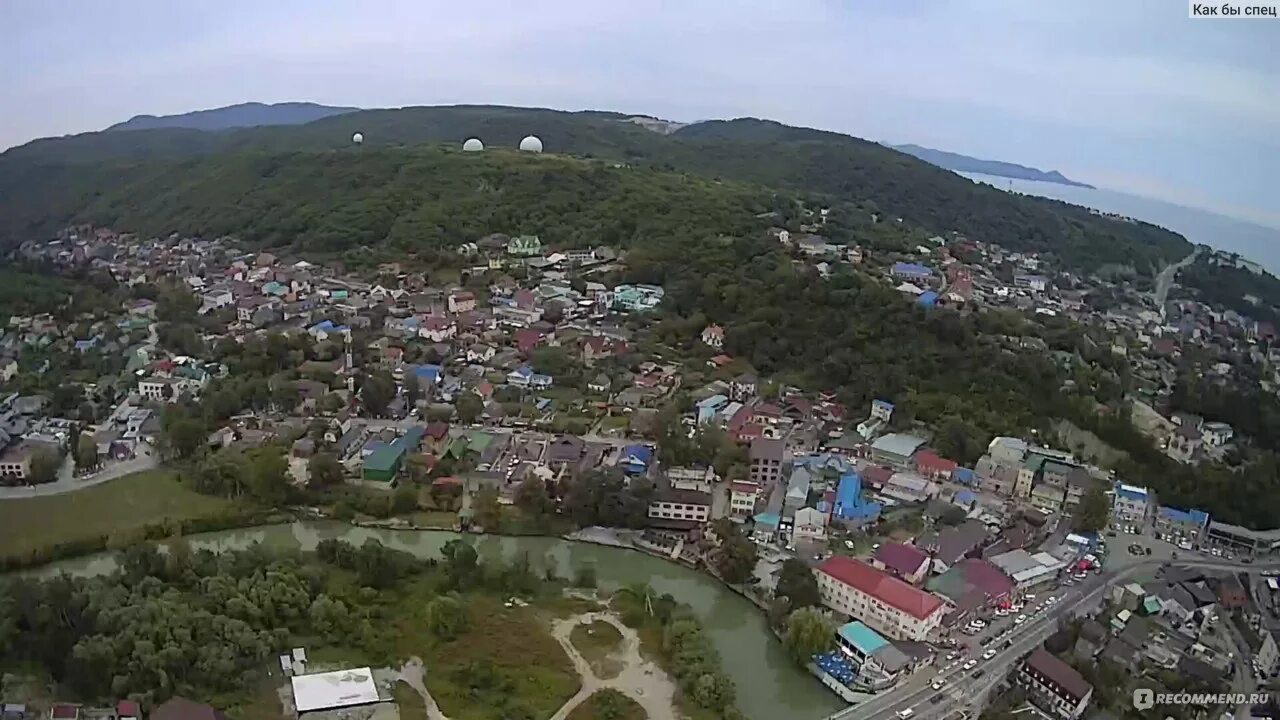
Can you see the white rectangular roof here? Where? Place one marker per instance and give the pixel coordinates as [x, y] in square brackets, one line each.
[340, 688]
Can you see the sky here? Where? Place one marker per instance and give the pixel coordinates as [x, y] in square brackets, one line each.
[1130, 95]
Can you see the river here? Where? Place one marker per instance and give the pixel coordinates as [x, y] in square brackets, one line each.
[769, 685]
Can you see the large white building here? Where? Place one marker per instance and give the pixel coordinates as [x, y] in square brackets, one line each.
[882, 602]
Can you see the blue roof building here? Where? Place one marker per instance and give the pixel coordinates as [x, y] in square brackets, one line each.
[928, 299]
[428, 373]
[708, 408]
[850, 505]
[911, 271]
[862, 638]
[964, 476]
[635, 459]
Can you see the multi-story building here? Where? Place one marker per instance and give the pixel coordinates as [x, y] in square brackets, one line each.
[767, 458]
[689, 505]
[1048, 497]
[1131, 503]
[743, 496]
[15, 464]
[1054, 686]
[160, 389]
[884, 603]
[1185, 443]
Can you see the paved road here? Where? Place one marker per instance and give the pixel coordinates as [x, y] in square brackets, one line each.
[66, 482]
[963, 689]
[1164, 281]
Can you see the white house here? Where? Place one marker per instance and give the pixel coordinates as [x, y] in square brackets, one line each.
[810, 524]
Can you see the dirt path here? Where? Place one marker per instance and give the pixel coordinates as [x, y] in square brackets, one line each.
[639, 680]
[414, 675]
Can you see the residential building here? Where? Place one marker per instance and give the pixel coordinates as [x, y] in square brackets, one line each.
[1185, 443]
[797, 490]
[881, 414]
[637, 298]
[1034, 283]
[160, 389]
[809, 525]
[525, 246]
[1054, 686]
[895, 449]
[693, 478]
[1007, 451]
[1026, 570]
[743, 496]
[913, 272]
[1131, 503]
[713, 336]
[907, 562]
[929, 464]
[462, 301]
[767, 456]
[884, 603]
[1047, 497]
[743, 387]
[15, 463]
[672, 504]
[850, 505]
[1216, 434]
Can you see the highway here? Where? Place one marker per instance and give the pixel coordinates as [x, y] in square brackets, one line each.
[965, 691]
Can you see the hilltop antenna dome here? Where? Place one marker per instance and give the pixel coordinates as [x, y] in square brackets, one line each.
[473, 145]
[531, 144]
[357, 138]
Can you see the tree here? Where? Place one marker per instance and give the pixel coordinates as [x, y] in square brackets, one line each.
[713, 691]
[469, 406]
[461, 563]
[532, 498]
[487, 511]
[951, 515]
[45, 464]
[268, 475]
[324, 470]
[377, 391]
[797, 583]
[736, 558]
[412, 392]
[809, 632]
[1094, 509]
[184, 437]
[405, 499]
[446, 617]
[86, 452]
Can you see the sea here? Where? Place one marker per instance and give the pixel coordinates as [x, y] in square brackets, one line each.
[1254, 242]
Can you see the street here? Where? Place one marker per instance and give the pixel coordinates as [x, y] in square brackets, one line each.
[964, 688]
[67, 482]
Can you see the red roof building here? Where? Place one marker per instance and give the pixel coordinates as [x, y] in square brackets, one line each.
[128, 709]
[884, 603]
[931, 465]
[527, 339]
[876, 477]
[904, 561]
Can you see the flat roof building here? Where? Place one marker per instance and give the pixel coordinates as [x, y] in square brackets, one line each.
[337, 689]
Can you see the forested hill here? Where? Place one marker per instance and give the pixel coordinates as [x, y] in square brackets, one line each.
[389, 200]
[236, 116]
[885, 182]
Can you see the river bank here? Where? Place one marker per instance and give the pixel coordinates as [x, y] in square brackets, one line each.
[769, 685]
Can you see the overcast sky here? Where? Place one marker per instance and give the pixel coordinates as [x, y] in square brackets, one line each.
[1126, 94]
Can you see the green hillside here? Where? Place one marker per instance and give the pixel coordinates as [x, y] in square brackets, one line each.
[881, 180]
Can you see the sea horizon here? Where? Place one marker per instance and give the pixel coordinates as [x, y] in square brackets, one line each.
[1251, 241]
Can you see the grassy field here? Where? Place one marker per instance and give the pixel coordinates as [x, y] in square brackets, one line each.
[505, 657]
[598, 642]
[114, 509]
[608, 704]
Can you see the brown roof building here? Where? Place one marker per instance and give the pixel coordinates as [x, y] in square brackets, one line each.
[1054, 686]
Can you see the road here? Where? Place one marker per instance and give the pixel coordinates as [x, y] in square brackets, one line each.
[1164, 281]
[66, 482]
[964, 689]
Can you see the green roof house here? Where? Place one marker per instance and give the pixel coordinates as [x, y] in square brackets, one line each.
[383, 463]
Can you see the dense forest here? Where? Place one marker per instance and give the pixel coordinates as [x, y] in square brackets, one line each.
[47, 181]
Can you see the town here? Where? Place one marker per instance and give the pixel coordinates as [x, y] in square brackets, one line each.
[531, 369]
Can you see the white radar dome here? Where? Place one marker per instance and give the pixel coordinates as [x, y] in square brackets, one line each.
[357, 138]
[531, 144]
[473, 145]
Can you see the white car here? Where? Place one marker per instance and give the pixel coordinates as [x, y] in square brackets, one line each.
[938, 684]
[970, 665]
[1020, 619]
[988, 654]
[904, 714]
